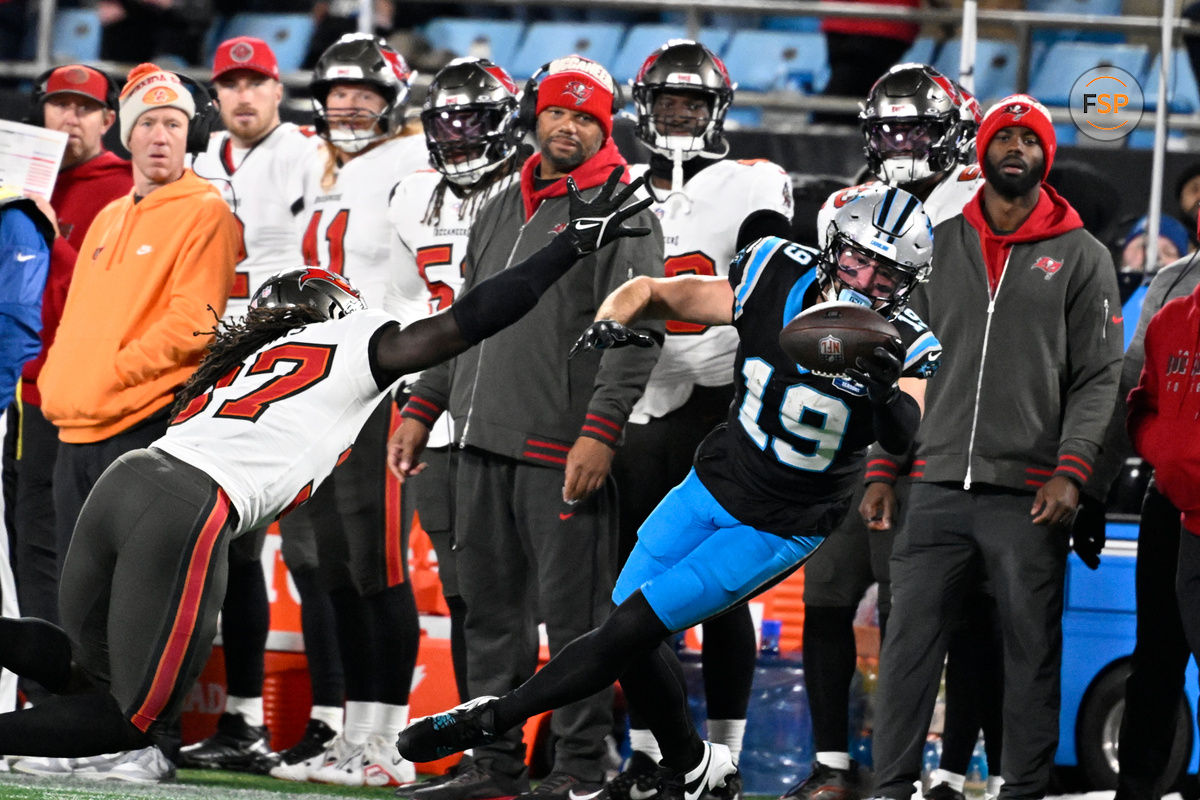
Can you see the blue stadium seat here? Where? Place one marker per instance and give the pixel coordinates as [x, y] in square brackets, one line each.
[1143, 137]
[995, 67]
[1183, 97]
[1076, 7]
[921, 52]
[645, 39]
[544, 41]
[76, 35]
[287, 34]
[765, 60]
[496, 39]
[1066, 61]
[743, 117]
[1066, 133]
[791, 23]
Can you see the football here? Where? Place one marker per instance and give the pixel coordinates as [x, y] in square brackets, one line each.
[829, 337]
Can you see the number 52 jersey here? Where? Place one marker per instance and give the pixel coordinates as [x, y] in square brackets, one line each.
[793, 445]
[275, 426]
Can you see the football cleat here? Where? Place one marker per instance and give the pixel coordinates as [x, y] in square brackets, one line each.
[563, 786]
[461, 728]
[715, 767]
[308, 753]
[235, 746]
[732, 790]
[638, 781]
[473, 782]
[382, 764]
[342, 764]
[145, 766]
[944, 791]
[825, 783]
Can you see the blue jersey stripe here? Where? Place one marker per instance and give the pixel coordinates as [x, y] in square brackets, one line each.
[917, 350]
[762, 253]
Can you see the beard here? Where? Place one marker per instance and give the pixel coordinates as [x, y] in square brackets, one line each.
[1011, 187]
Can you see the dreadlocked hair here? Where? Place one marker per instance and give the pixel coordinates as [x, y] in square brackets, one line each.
[236, 340]
[475, 195]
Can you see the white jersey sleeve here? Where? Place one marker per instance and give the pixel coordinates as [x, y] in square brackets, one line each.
[264, 191]
[952, 193]
[700, 230]
[277, 425]
[346, 230]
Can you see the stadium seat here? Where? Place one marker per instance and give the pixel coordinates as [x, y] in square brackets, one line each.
[1143, 137]
[287, 34]
[76, 35]
[645, 39]
[995, 67]
[544, 41]
[1183, 97]
[791, 23]
[765, 60]
[496, 39]
[921, 52]
[1066, 61]
[1076, 8]
[1066, 133]
[743, 118]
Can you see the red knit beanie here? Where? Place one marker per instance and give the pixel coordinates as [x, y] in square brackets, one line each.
[579, 84]
[1018, 110]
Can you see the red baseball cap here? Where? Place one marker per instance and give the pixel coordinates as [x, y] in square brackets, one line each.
[78, 79]
[245, 52]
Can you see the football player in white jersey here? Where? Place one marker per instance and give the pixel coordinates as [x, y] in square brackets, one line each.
[473, 143]
[919, 130]
[256, 163]
[710, 207]
[359, 90]
[265, 418]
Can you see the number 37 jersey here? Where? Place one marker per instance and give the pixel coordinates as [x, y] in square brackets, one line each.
[793, 445]
[274, 427]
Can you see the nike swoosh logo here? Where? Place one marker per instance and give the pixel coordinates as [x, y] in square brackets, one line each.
[1116, 320]
[26, 256]
[642, 794]
[693, 790]
[584, 796]
[564, 518]
[584, 226]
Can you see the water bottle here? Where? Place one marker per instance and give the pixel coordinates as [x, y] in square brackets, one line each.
[931, 758]
[975, 785]
[771, 630]
[778, 748]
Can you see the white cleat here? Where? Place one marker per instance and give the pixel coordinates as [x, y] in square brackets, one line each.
[343, 764]
[382, 764]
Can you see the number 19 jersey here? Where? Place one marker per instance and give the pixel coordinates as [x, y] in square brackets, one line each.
[274, 427]
[793, 445]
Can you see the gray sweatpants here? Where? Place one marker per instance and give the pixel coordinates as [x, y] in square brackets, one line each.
[525, 557]
[931, 566]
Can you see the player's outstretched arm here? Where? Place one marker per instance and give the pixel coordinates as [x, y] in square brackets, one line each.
[703, 299]
[896, 414]
[504, 298]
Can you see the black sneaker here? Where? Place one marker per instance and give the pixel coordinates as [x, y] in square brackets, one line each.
[561, 786]
[235, 746]
[408, 789]
[473, 783]
[825, 783]
[714, 769]
[732, 790]
[638, 781]
[292, 764]
[461, 728]
[944, 791]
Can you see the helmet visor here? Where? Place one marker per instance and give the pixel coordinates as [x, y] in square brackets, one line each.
[868, 273]
[901, 138]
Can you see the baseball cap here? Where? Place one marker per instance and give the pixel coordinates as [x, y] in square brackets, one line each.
[78, 79]
[245, 52]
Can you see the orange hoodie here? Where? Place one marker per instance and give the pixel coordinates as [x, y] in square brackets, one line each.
[146, 275]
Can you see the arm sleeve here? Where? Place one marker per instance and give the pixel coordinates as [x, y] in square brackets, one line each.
[201, 277]
[896, 423]
[1094, 349]
[623, 373]
[20, 296]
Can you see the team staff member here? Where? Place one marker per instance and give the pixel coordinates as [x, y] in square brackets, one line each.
[81, 102]
[534, 504]
[256, 164]
[267, 416]
[710, 207]
[1030, 300]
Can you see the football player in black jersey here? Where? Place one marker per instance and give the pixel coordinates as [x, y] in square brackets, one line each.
[767, 485]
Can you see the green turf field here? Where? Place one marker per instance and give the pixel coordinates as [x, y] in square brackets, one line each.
[190, 785]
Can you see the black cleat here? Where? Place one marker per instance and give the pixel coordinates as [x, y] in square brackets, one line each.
[293, 764]
[714, 769]
[562, 786]
[473, 783]
[638, 781]
[408, 789]
[825, 783]
[944, 791]
[461, 728]
[732, 790]
[235, 746]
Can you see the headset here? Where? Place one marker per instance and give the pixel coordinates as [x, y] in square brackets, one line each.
[37, 115]
[527, 108]
[201, 126]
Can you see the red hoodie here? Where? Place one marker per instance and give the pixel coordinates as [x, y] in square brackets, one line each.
[79, 194]
[1052, 216]
[1164, 408]
[592, 172]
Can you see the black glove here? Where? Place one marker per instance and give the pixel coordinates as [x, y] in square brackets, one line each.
[597, 222]
[1087, 531]
[607, 333]
[878, 373]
